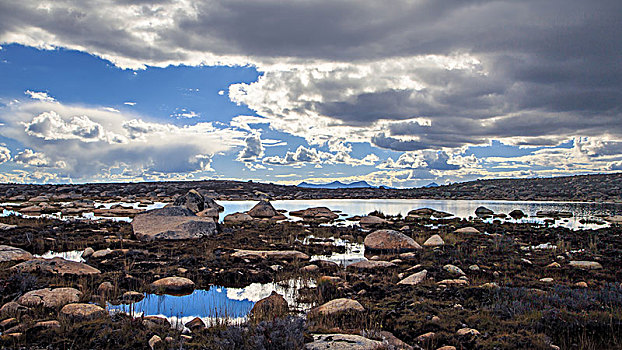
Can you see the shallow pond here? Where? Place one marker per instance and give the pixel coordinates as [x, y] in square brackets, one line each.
[214, 305]
[459, 208]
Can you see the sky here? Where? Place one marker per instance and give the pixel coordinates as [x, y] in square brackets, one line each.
[395, 93]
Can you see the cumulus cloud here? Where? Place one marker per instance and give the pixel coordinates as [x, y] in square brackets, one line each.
[309, 155]
[30, 157]
[431, 160]
[5, 154]
[91, 143]
[253, 148]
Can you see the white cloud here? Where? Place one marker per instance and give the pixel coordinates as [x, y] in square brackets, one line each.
[185, 114]
[5, 154]
[253, 148]
[40, 95]
[129, 103]
[92, 143]
[309, 155]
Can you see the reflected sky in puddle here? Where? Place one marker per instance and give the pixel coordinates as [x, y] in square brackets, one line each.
[216, 304]
[73, 255]
[353, 254]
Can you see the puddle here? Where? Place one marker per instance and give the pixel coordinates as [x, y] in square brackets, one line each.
[72, 255]
[215, 305]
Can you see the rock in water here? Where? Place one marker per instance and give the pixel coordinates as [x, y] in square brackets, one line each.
[389, 240]
[483, 211]
[13, 254]
[172, 223]
[517, 214]
[270, 307]
[263, 209]
[318, 213]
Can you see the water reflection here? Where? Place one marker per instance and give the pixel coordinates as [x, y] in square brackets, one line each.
[216, 304]
[73, 255]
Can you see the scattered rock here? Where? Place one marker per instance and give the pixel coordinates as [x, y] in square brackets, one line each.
[425, 337]
[415, 278]
[56, 266]
[172, 223]
[580, 284]
[342, 342]
[263, 209]
[371, 265]
[434, 241]
[270, 307]
[454, 270]
[517, 214]
[547, 280]
[270, 254]
[82, 312]
[173, 285]
[87, 253]
[455, 282]
[195, 324]
[105, 288]
[237, 218]
[467, 331]
[154, 341]
[13, 254]
[371, 221]
[389, 240]
[52, 324]
[483, 211]
[467, 230]
[318, 213]
[337, 306]
[587, 265]
[554, 265]
[132, 297]
[50, 298]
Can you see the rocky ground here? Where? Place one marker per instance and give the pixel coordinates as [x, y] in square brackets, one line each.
[598, 188]
[456, 284]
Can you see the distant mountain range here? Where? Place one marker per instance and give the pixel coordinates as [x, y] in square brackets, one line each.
[337, 184]
[431, 184]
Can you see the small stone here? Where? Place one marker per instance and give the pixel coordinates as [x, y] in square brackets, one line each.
[87, 252]
[435, 319]
[434, 241]
[581, 284]
[105, 288]
[474, 268]
[447, 347]
[554, 265]
[154, 341]
[132, 297]
[587, 265]
[453, 269]
[415, 278]
[546, 280]
[467, 230]
[526, 261]
[173, 285]
[195, 324]
[467, 331]
[457, 282]
[336, 306]
[8, 323]
[310, 268]
[425, 337]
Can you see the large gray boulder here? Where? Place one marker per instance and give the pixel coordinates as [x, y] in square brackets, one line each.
[50, 298]
[196, 202]
[342, 342]
[172, 223]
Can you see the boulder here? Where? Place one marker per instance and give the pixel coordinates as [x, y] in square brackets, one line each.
[195, 324]
[263, 209]
[154, 342]
[586, 265]
[13, 254]
[173, 285]
[237, 218]
[467, 332]
[371, 221]
[50, 298]
[467, 230]
[192, 200]
[483, 211]
[337, 306]
[56, 266]
[342, 342]
[454, 282]
[209, 213]
[172, 223]
[132, 297]
[434, 241]
[389, 240]
[415, 278]
[270, 254]
[517, 214]
[318, 213]
[6, 227]
[427, 213]
[371, 265]
[82, 312]
[270, 307]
